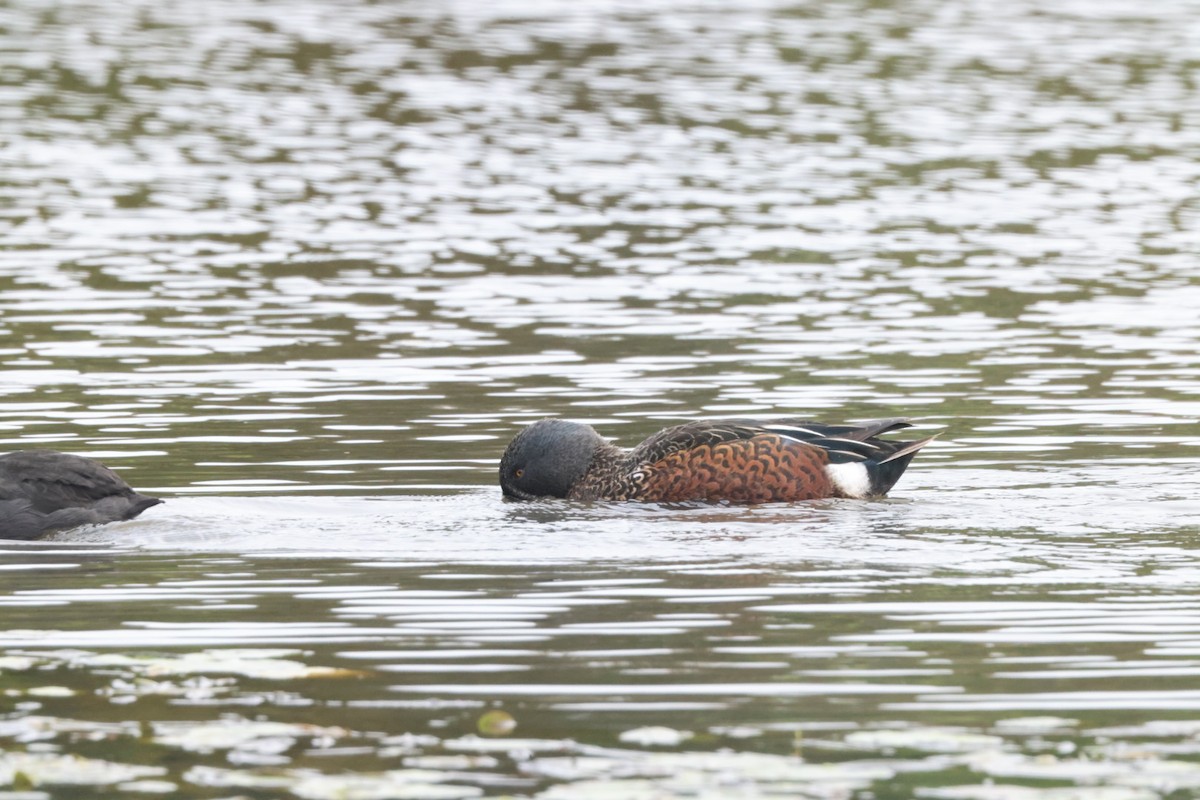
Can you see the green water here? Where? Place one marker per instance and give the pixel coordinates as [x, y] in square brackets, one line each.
[303, 268]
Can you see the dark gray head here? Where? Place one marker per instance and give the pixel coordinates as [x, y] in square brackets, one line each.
[547, 458]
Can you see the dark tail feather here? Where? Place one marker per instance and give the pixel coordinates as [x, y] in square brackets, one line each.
[139, 503]
[876, 428]
[908, 449]
[886, 472]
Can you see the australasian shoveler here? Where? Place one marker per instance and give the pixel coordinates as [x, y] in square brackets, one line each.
[43, 491]
[740, 461]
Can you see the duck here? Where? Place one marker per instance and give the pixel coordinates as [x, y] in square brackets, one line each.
[733, 461]
[45, 490]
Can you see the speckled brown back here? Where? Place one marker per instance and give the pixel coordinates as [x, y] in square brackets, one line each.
[761, 469]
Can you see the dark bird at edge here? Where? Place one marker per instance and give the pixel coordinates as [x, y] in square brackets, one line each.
[742, 461]
[43, 491]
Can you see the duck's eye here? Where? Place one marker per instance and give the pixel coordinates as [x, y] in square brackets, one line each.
[519, 473]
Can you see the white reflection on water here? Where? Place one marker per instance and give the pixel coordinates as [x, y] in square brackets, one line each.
[318, 217]
[758, 647]
[289, 248]
[1039, 523]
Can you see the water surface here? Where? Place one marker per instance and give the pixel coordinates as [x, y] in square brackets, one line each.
[303, 268]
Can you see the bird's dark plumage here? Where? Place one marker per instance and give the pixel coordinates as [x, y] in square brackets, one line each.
[43, 491]
[730, 460]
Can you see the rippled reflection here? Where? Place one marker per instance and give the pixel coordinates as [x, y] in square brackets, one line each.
[307, 241]
[797, 672]
[303, 269]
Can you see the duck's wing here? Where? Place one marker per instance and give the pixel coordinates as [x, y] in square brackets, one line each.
[693, 435]
[854, 439]
[783, 459]
[807, 430]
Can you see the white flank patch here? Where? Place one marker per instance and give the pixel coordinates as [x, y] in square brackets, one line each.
[850, 479]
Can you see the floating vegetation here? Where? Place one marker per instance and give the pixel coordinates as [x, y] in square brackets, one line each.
[496, 722]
